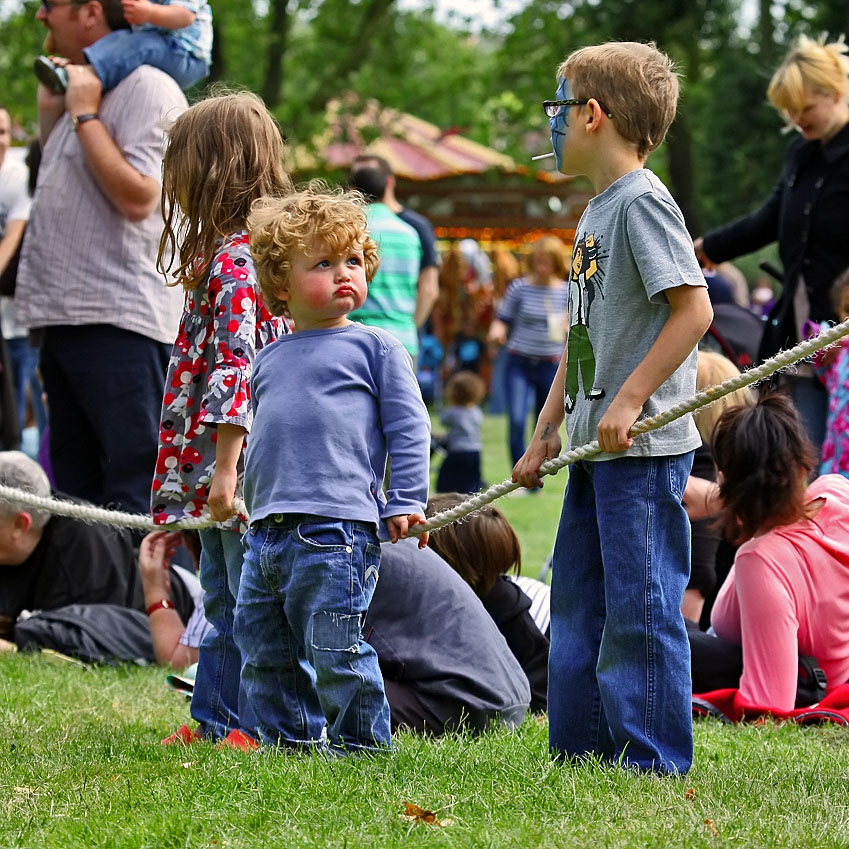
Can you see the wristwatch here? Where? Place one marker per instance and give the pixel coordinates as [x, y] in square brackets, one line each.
[76, 120]
[165, 604]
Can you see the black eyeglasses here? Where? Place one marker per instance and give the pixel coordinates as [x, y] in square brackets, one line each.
[552, 107]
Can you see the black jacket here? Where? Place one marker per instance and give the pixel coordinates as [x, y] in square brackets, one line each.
[509, 608]
[808, 214]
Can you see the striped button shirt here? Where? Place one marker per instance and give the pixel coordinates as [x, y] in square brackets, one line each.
[82, 261]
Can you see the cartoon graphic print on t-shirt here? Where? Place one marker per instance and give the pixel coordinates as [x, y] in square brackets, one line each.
[586, 281]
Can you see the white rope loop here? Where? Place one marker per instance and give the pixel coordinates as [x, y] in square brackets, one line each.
[783, 359]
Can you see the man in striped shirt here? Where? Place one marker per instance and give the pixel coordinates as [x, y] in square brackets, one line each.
[393, 291]
[87, 278]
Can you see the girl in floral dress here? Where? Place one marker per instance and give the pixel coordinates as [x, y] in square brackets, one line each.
[223, 153]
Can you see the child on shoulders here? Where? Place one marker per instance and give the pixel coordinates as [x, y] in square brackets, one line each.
[619, 670]
[331, 402]
[172, 35]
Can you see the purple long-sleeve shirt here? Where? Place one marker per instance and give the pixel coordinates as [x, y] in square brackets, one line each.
[329, 406]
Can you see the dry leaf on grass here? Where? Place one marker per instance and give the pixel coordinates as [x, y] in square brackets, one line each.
[413, 813]
[690, 793]
[712, 827]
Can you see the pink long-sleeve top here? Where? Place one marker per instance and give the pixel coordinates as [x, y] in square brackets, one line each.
[788, 595]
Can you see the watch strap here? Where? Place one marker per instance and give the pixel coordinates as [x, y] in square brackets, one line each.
[76, 120]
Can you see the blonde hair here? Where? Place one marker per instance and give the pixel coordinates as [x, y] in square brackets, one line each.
[555, 250]
[223, 153]
[334, 218]
[810, 66]
[714, 368]
[635, 81]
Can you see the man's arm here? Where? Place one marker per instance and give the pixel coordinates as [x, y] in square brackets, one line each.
[172, 16]
[427, 293]
[133, 194]
[51, 107]
[689, 320]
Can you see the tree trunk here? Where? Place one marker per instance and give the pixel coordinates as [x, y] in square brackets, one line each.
[278, 25]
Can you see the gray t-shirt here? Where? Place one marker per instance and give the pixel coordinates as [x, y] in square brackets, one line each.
[630, 246]
[464, 427]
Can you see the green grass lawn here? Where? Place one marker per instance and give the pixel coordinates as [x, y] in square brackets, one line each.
[81, 766]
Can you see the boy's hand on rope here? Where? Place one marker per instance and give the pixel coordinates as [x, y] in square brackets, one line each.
[544, 447]
[615, 425]
[399, 527]
[222, 491]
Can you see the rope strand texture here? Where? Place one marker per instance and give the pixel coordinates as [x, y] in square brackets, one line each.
[90, 513]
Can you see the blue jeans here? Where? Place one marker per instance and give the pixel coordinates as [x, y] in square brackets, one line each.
[619, 682]
[219, 703]
[24, 364]
[115, 56]
[526, 380]
[306, 586]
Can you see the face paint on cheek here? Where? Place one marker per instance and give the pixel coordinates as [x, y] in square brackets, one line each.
[559, 124]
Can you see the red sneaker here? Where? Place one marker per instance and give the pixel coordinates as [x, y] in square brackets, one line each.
[238, 740]
[183, 736]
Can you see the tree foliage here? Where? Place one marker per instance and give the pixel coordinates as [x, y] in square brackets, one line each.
[722, 154]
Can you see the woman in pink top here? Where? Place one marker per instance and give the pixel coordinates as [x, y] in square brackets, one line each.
[787, 595]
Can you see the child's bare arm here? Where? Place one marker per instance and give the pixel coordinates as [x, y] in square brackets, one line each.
[171, 16]
[690, 317]
[545, 443]
[222, 491]
[399, 527]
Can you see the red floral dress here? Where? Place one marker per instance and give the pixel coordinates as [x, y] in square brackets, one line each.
[223, 326]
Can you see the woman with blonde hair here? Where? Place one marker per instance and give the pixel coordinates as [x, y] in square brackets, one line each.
[531, 322]
[807, 210]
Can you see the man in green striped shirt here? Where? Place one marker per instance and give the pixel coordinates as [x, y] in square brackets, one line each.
[392, 293]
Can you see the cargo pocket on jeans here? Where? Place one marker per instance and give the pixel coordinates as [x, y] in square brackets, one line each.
[336, 631]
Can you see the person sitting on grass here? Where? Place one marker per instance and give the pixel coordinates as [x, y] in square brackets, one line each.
[787, 595]
[172, 35]
[50, 561]
[445, 665]
[482, 548]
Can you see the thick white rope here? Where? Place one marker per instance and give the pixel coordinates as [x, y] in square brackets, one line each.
[781, 360]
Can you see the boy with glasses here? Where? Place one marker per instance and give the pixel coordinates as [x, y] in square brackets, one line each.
[619, 668]
[172, 35]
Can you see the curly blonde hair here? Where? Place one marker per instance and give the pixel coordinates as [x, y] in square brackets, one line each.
[223, 153]
[334, 218]
[812, 65]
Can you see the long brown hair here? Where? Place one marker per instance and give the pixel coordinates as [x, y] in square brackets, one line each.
[765, 458]
[480, 547]
[223, 153]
